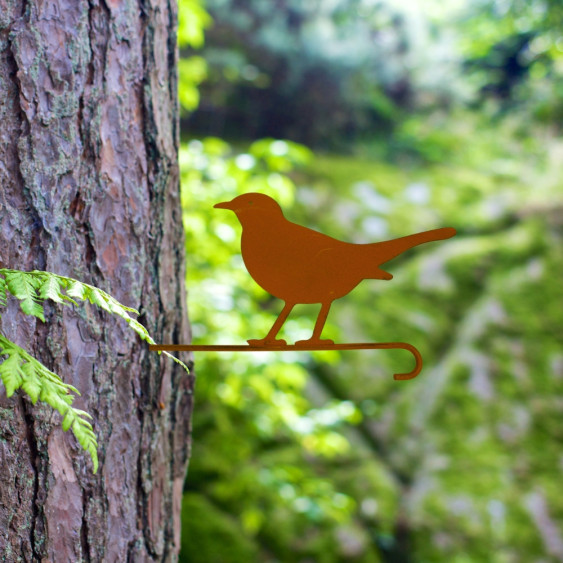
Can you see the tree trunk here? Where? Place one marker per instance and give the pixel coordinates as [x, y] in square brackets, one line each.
[89, 189]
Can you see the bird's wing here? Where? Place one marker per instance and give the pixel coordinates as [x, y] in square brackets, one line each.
[315, 240]
[338, 269]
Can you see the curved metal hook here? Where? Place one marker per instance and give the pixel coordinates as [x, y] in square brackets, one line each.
[417, 358]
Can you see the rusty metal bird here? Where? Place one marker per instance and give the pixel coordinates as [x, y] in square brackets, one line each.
[300, 265]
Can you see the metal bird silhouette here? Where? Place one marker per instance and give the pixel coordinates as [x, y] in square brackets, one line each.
[300, 265]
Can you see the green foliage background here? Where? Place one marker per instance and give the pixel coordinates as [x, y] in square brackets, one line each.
[324, 457]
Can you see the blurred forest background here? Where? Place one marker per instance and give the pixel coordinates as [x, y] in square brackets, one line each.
[369, 120]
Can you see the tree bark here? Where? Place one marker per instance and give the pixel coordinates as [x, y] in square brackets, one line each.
[89, 188]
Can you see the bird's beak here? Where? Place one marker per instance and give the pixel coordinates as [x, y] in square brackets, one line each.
[224, 205]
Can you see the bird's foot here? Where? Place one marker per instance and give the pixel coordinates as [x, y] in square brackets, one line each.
[266, 342]
[321, 342]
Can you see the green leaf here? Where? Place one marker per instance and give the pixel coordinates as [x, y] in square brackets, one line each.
[50, 288]
[67, 420]
[21, 370]
[75, 289]
[23, 286]
[31, 383]
[140, 330]
[92, 450]
[177, 360]
[95, 296]
[10, 371]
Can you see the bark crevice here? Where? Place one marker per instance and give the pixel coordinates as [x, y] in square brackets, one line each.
[33, 461]
[84, 532]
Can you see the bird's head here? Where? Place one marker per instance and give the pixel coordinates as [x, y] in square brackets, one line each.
[251, 204]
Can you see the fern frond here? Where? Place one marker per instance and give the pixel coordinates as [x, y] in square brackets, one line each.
[10, 370]
[74, 288]
[50, 287]
[108, 303]
[105, 301]
[24, 287]
[21, 370]
[177, 360]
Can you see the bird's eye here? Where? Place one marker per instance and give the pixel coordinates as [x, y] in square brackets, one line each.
[250, 203]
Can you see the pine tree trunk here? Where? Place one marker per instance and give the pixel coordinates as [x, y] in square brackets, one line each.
[89, 189]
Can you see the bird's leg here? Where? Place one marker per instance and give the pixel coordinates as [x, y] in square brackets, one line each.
[321, 319]
[271, 336]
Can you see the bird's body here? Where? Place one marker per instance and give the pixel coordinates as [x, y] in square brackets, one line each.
[295, 263]
[300, 265]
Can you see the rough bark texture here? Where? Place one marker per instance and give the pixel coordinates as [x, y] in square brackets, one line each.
[89, 189]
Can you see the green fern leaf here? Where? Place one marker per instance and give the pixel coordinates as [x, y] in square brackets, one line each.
[140, 330]
[75, 289]
[86, 438]
[84, 413]
[50, 287]
[67, 420]
[102, 299]
[95, 296]
[24, 287]
[31, 307]
[10, 370]
[93, 451]
[177, 360]
[20, 370]
[32, 390]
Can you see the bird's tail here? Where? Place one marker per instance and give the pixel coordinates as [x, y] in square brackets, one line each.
[389, 249]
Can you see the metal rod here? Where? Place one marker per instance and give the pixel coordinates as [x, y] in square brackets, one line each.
[301, 348]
